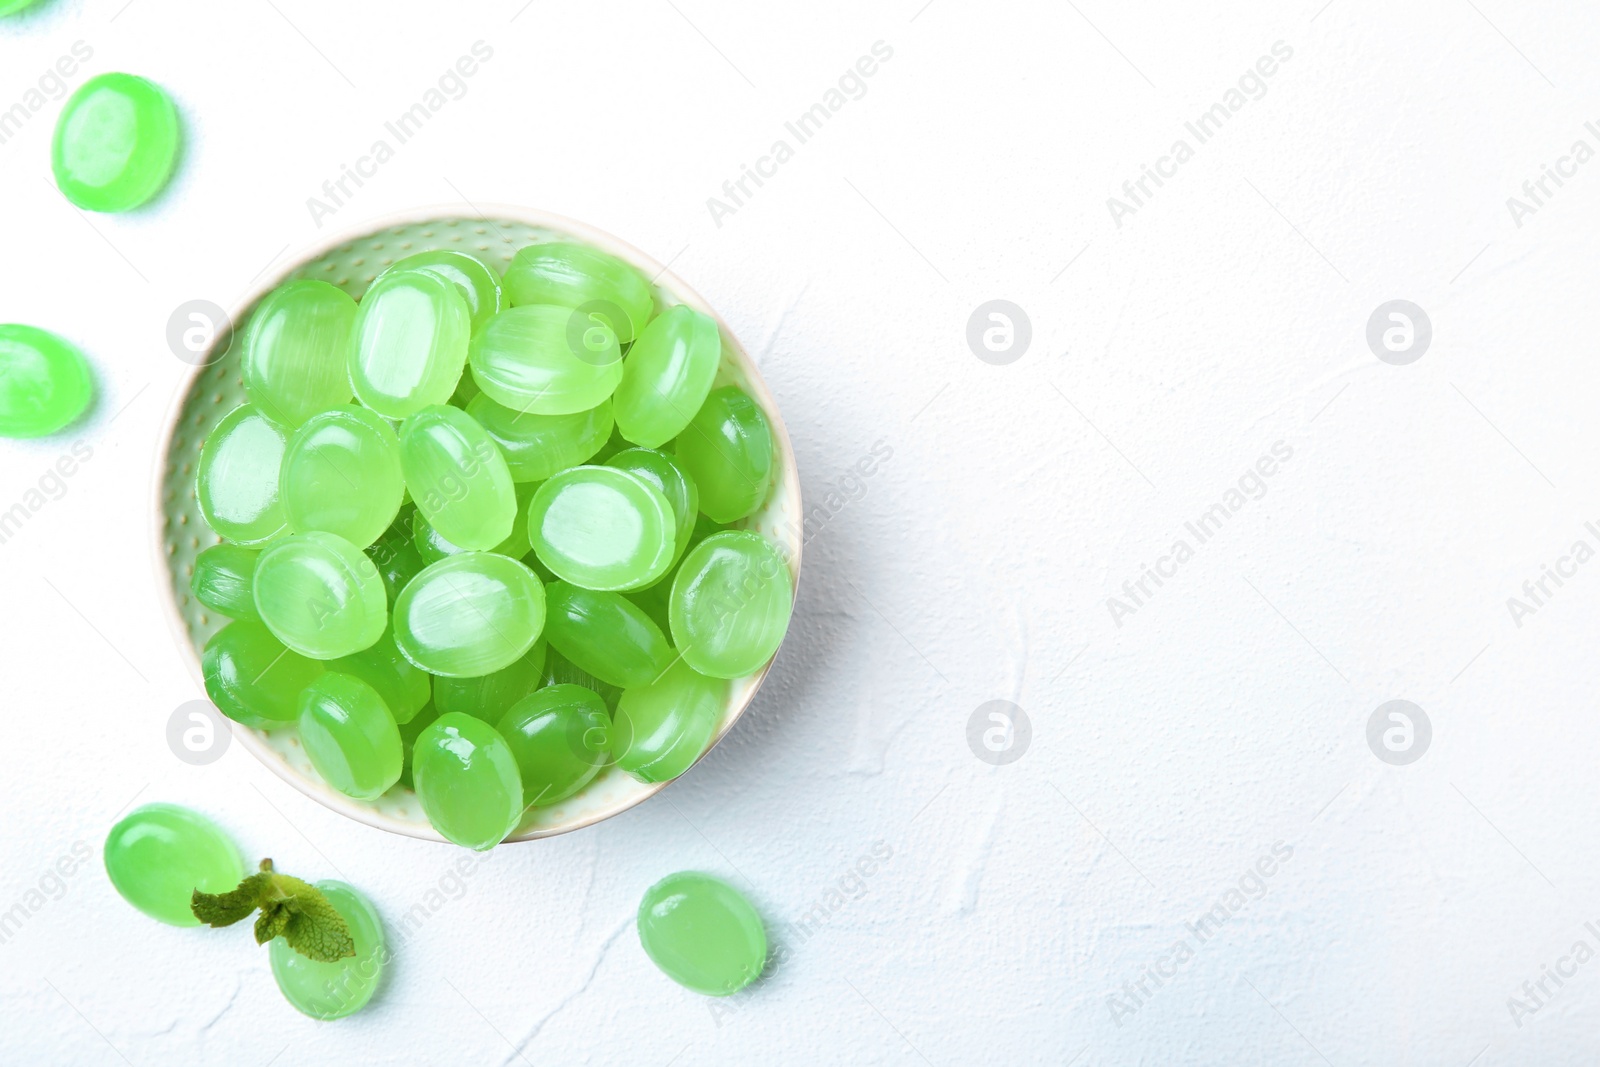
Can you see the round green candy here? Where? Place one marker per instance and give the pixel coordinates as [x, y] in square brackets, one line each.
[350, 736]
[409, 732]
[667, 376]
[602, 528]
[45, 382]
[730, 604]
[558, 670]
[237, 482]
[320, 595]
[561, 738]
[585, 279]
[467, 781]
[469, 615]
[158, 855]
[543, 360]
[605, 634]
[433, 547]
[411, 336]
[405, 689]
[116, 143]
[223, 581]
[667, 474]
[458, 477]
[252, 678]
[663, 727]
[296, 351]
[488, 696]
[727, 449]
[702, 933]
[537, 446]
[341, 474]
[334, 990]
[474, 279]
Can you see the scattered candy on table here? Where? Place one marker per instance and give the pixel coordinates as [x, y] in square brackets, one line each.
[116, 143]
[702, 933]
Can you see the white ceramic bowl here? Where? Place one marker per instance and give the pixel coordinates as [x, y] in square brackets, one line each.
[350, 259]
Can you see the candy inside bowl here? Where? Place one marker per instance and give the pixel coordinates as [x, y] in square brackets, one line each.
[603, 524]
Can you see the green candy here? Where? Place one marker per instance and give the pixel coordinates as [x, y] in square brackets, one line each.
[45, 382]
[116, 143]
[702, 933]
[727, 449]
[411, 336]
[605, 634]
[432, 547]
[584, 279]
[12, 7]
[543, 360]
[561, 739]
[405, 689]
[223, 581]
[538, 446]
[409, 732]
[667, 474]
[602, 528]
[488, 696]
[296, 351]
[158, 855]
[474, 279]
[334, 990]
[320, 595]
[458, 478]
[558, 670]
[252, 678]
[237, 482]
[667, 376]
[350, 736]
[663, 727]
[730, 604]
[467, 781]
[341, 474]
[469, 615]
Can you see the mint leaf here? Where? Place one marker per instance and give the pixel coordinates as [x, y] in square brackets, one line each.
[271, 922]
[290, 908]
[225, 909]
[317, 931]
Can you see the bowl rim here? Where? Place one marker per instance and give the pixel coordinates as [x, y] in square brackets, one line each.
[291, 260]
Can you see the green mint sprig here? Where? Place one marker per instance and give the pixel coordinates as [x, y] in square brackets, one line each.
[294, 910]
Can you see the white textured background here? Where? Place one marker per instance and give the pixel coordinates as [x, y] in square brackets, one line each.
[1168, 754]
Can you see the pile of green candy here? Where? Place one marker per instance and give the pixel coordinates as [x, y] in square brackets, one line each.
[478, 533]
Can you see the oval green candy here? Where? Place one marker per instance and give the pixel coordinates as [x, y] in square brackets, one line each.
[561, 738]
[158, 855]
[602, 528]
[467, 781]
[469, 615]
[45, 382]
[605, 634]
[702, 933]
[538, 446]
[730, 604]
[350, 736]
[334, 990]
[320, 595]
[224, 577]
[727, 449]
[585, 279]
[542, 360]
[476, 281]
[296, 351]
[488, 696]
[667, 376]
[404, 688]
[411, 335]
[237, 481]
[666, 473]
[252, 678]
[663, 727]
[341, 474]
[458, 478]
[116, 143]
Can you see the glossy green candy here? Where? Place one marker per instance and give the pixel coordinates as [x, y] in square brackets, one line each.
[537, 446]
[605, 634]
[116, 143]
[409, 732]
[296, 351]
[536, 359]
[237, 483]
[411, 338]
[158, 855]
[223, 580]
[252, 678]
[602, 528]
[341, 474]
[727, 449]
[558, 670]
[584, 279]
[469, 615]
[405, 689]
[433, 547]
[477, 282]
[334, 990]
[561, 738]
[667, 474]
[667, 376]
[45, 382]
[349, 735]
[488, 696]
[320, 595]
[663, 727]
[467, 781]
[458, 477]
[730, 604]
[702, 933]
